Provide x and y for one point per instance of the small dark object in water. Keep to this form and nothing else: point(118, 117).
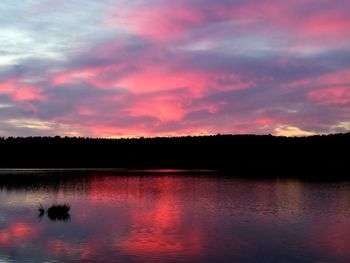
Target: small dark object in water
point(41, 210)
point(59, 212)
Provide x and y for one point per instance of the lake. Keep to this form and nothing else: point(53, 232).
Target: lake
point(168, 217)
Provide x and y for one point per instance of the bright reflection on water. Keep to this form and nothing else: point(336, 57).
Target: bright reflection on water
point(173, 218)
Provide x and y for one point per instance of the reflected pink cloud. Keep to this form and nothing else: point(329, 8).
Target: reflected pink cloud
point(159, 243)
point(60, 248)
point(83, 251)
point(155, 229)
point(334, 238)
point(103, 190)
point(166, 217)
point(18, 232)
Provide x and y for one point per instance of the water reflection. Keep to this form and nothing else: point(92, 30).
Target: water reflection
point(165, 218)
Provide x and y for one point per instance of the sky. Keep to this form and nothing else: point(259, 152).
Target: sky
point(117, 68)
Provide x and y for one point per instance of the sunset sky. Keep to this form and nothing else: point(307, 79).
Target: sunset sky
point(117, 68)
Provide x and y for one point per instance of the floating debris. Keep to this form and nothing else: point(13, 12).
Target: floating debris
point(57, 212)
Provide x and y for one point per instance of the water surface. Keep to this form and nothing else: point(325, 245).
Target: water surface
point(172, 218)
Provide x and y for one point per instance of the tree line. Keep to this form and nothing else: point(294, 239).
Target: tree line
point(235, 153)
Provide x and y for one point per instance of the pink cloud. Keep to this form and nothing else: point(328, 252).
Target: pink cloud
point(7, 87)
point(169, 107)
point(195, 67)
point(147, 130)
point(159, 79)
point(21, 92)
point(159, 21)
point(341, 77)
point(332, 79)
point(331, 96)
point(266, 121)
point(164, 108)
point(27, 94)
point(164, 21)
point(87, 74)
point(100, 130)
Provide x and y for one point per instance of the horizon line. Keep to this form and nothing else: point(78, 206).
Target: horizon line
point(172, 137)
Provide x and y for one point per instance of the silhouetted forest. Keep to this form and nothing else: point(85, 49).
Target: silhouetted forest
point(239, 153)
